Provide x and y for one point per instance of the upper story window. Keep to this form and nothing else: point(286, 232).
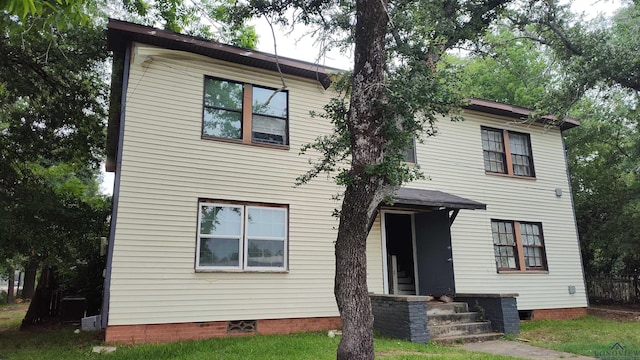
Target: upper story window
point(241, 237)
point(516, 243)
point(497, 144)
point(409, 153)
point(245, 113)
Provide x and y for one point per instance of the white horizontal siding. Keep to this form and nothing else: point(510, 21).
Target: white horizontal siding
point(453, 163)
point(167, 167)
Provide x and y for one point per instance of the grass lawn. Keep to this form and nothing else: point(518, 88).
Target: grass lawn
point(585, 336)
point(61, 342)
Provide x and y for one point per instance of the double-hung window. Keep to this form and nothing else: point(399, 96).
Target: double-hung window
point(241, 237)
point(518, 246)
point(507, 152)
point(245, 113)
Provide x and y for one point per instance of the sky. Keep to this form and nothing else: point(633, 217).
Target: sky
point(294, 44)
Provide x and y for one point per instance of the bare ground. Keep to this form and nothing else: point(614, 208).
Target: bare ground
point(624, 312)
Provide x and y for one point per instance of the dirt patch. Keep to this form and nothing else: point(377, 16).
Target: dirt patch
point(15, 307)
point(626, 312)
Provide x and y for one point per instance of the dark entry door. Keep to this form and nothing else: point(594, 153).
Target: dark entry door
point(433, 253)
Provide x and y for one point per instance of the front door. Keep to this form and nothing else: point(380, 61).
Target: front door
point(433, 253)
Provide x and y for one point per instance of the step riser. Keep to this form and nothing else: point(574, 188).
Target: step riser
point(456, 318)
point(450, 308)
point(459, 329)
point(467, 339)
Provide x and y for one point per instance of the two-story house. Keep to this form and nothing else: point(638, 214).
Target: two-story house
point(209, 236)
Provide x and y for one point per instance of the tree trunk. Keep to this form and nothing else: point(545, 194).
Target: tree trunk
point(43, 300)
point(28, 288)
point(365, 190)
point(11, 296)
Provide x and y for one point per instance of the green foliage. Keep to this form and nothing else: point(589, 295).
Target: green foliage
point(603, 151)
point(604, 158)
point(52, 111)
point(595, 54)
point(420, 90)
point(57, 13)
point(194, 17)
point(508, 69)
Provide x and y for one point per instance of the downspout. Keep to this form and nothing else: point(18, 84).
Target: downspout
point(116, 190)
point(573, 212)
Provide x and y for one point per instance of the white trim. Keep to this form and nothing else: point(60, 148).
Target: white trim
point(210, 236)
point(383, 233)
point(385, 270)
point(243, 240)
point(416, 280)
point(283, 239)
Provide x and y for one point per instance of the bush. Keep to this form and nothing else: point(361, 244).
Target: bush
point(3, 297)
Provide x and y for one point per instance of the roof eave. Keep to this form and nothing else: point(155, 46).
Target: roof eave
point(516, 112)
point(121, 33)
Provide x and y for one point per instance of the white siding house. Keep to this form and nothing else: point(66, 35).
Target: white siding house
point(209, 231)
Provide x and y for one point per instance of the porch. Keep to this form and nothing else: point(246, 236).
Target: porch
point(472, 317)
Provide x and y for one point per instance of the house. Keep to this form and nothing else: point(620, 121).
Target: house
point(209, 236)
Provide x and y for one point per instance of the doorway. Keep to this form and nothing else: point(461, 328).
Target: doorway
point(400, 246)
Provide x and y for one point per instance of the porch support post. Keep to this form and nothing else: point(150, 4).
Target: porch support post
point(453, 216)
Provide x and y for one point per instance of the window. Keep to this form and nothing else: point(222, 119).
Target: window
point(409, 153)
point(516, 243)
point(496, 144)
point(246, 113)
point(237, 237)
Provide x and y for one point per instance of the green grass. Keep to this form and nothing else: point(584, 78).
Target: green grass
point(60, 342)
point(585, 336)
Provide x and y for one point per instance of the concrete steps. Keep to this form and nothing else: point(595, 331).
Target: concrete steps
point(454, 323)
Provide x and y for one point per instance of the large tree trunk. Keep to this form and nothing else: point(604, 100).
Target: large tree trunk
point(28, 288)
point(11, 296)
point(364, 191)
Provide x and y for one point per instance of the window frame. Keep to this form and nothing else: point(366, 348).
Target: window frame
point(243, 243)
point(507, 154)
point(246, 118)
point(413, 152)
point(520, 258)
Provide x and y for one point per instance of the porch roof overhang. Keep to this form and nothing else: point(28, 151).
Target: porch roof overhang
point(433, 199)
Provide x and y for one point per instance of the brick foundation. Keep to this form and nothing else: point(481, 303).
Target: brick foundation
point(157, 333)
point(559, 314)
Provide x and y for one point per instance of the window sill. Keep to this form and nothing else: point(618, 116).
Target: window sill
point(523, 271)
point(510, 176)
point(240, 271)
point(238, 141)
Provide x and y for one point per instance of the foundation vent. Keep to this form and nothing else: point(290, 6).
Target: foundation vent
point(242, 326)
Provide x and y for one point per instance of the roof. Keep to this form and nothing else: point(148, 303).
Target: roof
point(434, 199)
point(496, 108)
point(121, 33)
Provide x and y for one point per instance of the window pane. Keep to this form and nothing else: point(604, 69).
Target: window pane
point(222, 123)
point(223, 94)
point(519, 144)
point(409, 154)
point(265, 253)
point(220, 220)
point(269, 102)
point(219, 252)
point(264, 222)
point(269, 130)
